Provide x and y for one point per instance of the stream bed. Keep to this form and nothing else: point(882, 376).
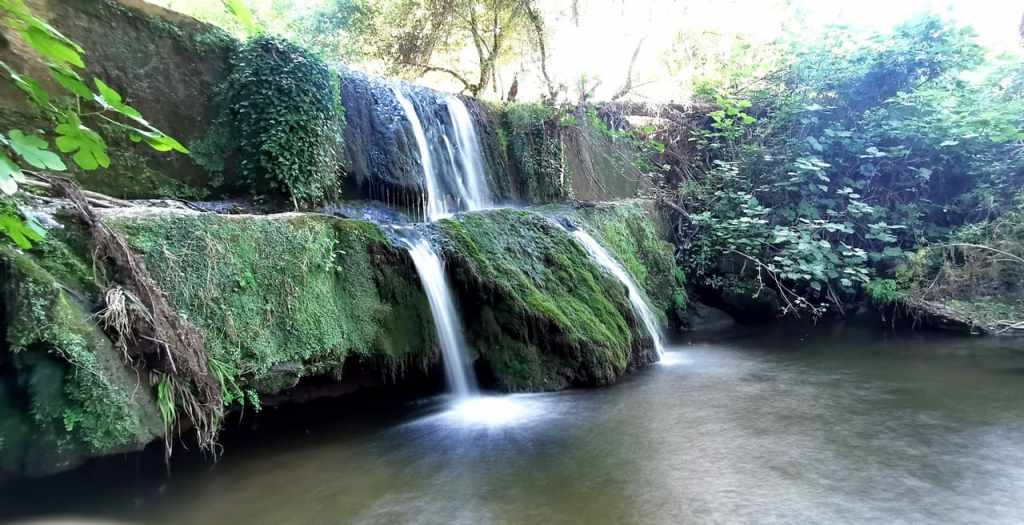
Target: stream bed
point(835, 424)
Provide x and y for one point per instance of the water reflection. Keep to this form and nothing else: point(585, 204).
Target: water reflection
point(788, 427)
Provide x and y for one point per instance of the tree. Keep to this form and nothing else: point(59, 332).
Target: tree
point(415, 37)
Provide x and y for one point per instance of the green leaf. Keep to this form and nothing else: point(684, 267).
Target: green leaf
point(10, 175)
point(71, 81)
point(35, 92)
point(159, 141)
point(23, 233)
point(243, 15)
point(90, 152)
point(109, 98)
point(50, 43)
point(34, 151)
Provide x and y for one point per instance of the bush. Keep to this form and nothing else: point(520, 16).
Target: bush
point(285, 112)
point(855, 150)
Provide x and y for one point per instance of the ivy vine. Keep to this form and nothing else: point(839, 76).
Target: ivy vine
point(285, 112)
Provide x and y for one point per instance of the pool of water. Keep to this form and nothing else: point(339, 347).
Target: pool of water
point(784, 425)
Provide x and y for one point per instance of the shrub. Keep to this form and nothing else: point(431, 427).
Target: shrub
point(285, 111)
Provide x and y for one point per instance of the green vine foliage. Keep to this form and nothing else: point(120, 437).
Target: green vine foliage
point(285, 112)
point(72, 111)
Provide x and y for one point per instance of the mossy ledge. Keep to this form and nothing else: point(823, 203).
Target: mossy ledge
point(297, 300)
point(542, 315)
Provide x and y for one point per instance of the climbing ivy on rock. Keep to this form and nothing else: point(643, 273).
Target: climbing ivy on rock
point(285, 112)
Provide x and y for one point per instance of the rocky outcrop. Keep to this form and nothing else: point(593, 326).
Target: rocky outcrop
point(543, 315)
point(290, 304)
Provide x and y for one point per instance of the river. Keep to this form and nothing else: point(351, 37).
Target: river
point(784, 425)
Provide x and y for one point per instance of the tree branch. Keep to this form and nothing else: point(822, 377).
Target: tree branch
point(426, 68)
point(628, 85)
point(538, 26)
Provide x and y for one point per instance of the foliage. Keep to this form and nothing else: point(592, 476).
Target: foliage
point(414, 37)
point(101, 104)
point(855, 149)
point(286, 114)
point(975, 274)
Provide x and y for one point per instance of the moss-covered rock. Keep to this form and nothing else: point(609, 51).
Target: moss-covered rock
point(276, 298)
point(65, 394)
point(289, 295)
point(631, 231)
point(540, 312)
point(532, 137)
point(282, 298)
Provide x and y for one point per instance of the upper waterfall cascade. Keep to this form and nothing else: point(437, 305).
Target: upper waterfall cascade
point(454, 176)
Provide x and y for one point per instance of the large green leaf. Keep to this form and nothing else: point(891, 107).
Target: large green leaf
point(22, 232)
point(158, 140)
point(35, 92)
point(34, 151)
point(70, 81)
point(90, 151)
point(243, 15)
point(10, 175)
point(109, 98)
point(50, 43)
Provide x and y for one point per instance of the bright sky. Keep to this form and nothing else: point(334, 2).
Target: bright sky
point(601, 45)
point(609, 30)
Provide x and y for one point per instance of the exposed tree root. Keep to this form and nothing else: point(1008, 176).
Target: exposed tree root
point(148, 330)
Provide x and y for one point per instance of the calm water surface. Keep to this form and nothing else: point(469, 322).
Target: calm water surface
point(833, 425)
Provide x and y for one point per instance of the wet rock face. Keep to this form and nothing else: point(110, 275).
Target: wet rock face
point(380, 146)
point(166, 65)
point(383, 157)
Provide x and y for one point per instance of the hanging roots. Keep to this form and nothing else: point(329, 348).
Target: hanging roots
point(121, 308)
point(146, 327)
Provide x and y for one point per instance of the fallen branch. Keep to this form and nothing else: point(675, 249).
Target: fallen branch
point(97, 199)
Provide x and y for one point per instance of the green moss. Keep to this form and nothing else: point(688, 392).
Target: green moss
point(80, 394)
point(631, 234)
point(534, 140)
point(548, 301)
point(297, 292)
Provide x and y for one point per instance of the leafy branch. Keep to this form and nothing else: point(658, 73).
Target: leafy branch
point(75, 101)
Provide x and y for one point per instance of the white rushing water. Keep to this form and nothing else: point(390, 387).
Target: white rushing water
point(465, 164)
point(605, 260)
point(473, 181)
point(435, 201)
point(454, 351)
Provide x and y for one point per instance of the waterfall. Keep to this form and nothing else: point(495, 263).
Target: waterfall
point(450, 157)
point(454, 351)
point(605, 260)
point(475, 193)
point(435, 201)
